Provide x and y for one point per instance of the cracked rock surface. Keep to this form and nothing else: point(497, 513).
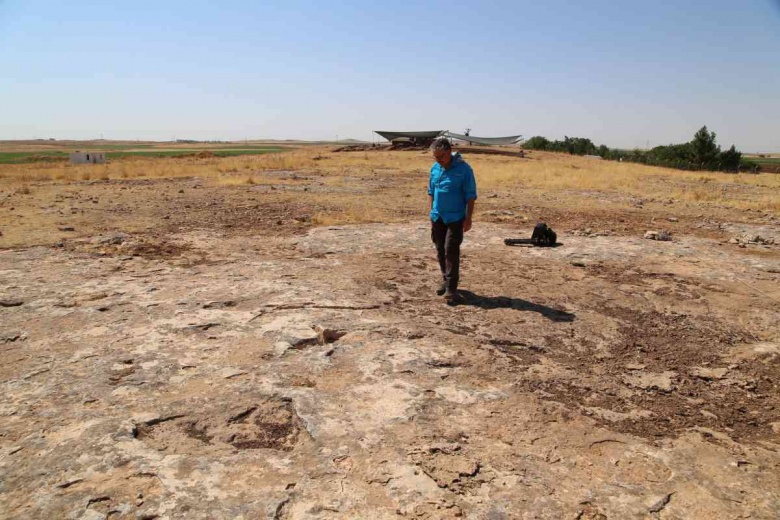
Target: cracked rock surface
point(319, 376)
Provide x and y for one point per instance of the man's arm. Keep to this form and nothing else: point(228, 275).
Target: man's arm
point(470, 196)
point(469, 213)
point(430, 190)
point(430, 193)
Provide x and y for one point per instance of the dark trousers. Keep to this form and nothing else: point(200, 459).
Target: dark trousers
point(448, 238)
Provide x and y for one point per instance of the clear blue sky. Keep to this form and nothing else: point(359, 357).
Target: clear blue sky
point(621, 73)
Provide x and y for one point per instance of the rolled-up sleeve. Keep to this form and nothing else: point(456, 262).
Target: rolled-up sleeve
point(430, 183)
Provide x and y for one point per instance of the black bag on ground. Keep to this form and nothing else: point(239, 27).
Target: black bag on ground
point(543, 236)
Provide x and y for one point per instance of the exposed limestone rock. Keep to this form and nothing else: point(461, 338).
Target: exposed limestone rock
point(319, 376)
point(663, 381)
point(658, 235)
point(710, 373)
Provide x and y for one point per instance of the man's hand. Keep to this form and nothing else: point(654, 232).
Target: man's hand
point(466, 224)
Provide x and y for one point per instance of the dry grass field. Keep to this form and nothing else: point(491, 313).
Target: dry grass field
point(334, 186)
point(259, 337)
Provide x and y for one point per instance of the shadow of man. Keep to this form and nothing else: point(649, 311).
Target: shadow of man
point(504, 302)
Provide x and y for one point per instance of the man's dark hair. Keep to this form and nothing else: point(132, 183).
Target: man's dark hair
point(441, 143)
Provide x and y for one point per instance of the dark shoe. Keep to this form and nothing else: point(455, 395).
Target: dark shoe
point(451, 296)
point(442, 289)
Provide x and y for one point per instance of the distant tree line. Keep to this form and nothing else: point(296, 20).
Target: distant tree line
point(194, 141)
point(701, 153)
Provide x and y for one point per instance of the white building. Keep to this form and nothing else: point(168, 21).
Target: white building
point(87, 157)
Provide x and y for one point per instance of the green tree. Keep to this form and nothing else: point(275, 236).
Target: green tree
point(730, 159)
point(579, 146)
point(704, 150)
point(537, 142)
point(670, 155)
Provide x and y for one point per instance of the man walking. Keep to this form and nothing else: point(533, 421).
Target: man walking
point(452, 191)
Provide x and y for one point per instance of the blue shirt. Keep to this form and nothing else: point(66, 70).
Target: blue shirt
point(451, 189)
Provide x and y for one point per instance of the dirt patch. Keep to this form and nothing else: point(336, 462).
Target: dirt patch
point(152, 249)
point(650, 381)
point(450, 467)
point(671, 340)
point(149, 247)
point(266, 423)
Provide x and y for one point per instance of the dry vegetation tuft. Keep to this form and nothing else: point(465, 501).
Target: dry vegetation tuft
point(353, 214)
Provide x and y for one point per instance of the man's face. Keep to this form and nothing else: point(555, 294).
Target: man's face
point(443, 157)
